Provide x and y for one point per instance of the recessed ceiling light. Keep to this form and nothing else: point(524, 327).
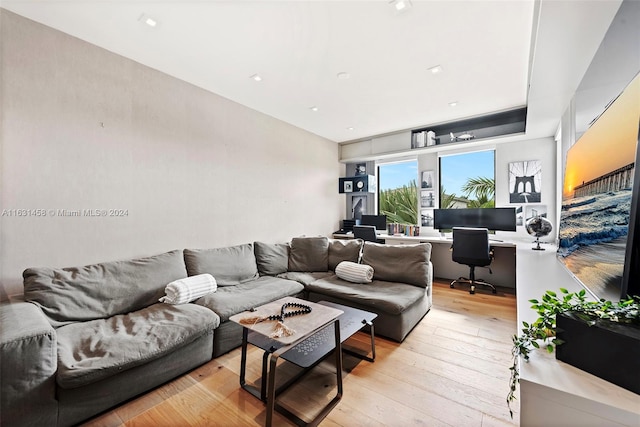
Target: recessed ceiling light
point(400, 5)
point(146, 19)
point(453, 104)
point(256, 77)
point(343, 75)
point(436, 70)
point(314, 108)
point(350, 128)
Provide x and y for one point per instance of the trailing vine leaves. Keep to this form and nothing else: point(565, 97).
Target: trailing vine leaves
point(542, 332)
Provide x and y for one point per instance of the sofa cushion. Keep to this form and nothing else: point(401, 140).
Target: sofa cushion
point(390, 297)
point(309, 254)
point(94, 350)
point(272, 258)
point(229, 266)
point(101, 290)
point(399, 263)
point(343, 250)
point(235, 299)
point(303, 277)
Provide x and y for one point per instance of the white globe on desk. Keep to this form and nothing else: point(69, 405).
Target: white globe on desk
point(539, 227)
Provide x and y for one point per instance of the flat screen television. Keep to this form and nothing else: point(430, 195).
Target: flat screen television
point(494, 219)
point(378, 221)
point(599, 201)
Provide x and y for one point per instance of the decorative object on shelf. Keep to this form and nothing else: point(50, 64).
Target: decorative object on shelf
point(361, 169)
point(525, 181)
point(599, 318)
point(464, 136)
point(538, 226)
point(281, 330)
point(360, 183)
point(423, 138)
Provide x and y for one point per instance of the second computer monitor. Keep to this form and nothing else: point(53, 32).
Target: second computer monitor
point(378, 221)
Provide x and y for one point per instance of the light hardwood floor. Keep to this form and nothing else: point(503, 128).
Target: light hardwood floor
point(452, 370)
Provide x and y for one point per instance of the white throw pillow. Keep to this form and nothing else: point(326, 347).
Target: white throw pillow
point(356, 273)
point(191, 288)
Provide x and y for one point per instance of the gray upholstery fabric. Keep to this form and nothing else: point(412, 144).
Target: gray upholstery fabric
point(272, 258)
point(309, 254)
point(228, 336)
point(27, 367)
point(234, 299)
point(393, 326)
point(390, 297)
point(401, 263)
point(101, 290)
point(229, 266)
point(344, 250)
point(91, 351)
point(78, 404)
point(305, 278)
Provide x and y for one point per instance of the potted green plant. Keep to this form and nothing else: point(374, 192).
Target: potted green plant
point(568, 306)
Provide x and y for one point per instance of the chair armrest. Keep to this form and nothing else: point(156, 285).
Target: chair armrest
point(28, 355)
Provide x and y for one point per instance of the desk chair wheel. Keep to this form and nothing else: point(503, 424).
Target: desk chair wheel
point(472, 288)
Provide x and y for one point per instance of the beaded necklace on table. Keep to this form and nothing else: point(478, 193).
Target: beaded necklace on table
point(280, 329)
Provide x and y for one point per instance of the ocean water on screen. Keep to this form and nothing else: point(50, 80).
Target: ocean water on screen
point(593, 237)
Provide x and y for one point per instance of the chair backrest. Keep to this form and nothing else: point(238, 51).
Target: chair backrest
point(471, 246)
point(365, 232)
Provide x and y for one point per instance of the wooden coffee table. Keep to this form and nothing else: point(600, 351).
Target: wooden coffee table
point(317, 335)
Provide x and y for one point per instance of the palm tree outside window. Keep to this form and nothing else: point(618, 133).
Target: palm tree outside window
point(467, 180)
point(398, 192)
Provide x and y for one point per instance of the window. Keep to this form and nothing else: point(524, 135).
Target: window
point(467, 180)
point(398, 192)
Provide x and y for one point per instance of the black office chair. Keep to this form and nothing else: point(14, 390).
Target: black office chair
point(471, 247)
point(366, 233)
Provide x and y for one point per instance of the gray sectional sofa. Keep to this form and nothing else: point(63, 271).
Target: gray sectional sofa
point(88, 338)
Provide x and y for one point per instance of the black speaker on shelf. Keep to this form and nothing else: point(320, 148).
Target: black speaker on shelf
point(357, 184)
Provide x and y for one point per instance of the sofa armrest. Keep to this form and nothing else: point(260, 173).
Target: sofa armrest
point(28, 364)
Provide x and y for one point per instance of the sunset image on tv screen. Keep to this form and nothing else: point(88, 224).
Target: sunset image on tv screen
point(596, 196)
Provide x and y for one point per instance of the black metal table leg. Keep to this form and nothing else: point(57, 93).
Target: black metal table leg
point(271, 404)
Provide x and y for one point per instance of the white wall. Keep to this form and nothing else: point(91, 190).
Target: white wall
point(83, 128)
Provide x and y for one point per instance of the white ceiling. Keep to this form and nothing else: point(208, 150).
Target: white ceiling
point(490, 52)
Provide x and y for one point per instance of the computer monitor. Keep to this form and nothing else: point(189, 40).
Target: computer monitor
point(378, 221)
point(502, 219)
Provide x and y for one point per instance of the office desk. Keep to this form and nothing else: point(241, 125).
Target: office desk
point(503, 266)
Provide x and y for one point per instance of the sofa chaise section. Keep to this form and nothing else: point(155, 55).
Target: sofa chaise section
point(400, 293)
